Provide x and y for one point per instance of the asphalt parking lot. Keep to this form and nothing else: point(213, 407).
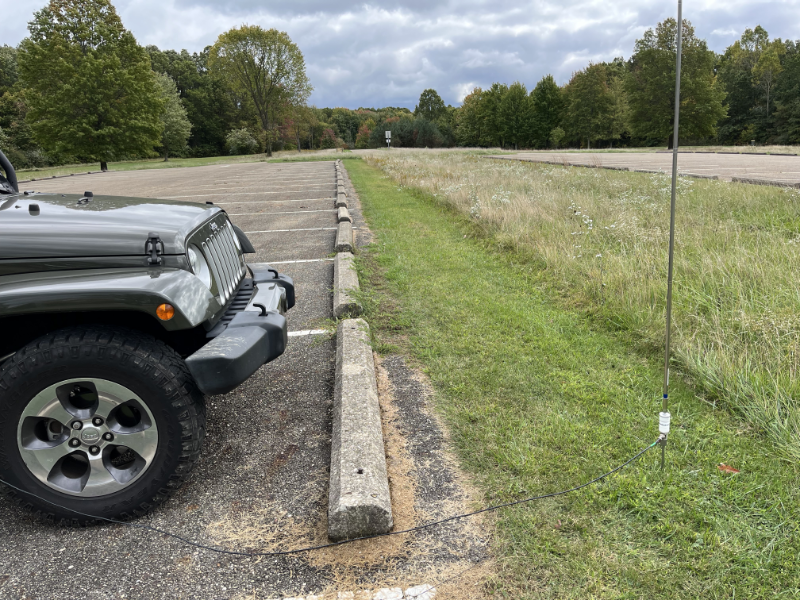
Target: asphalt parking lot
point(754, 168)
point(261, 483)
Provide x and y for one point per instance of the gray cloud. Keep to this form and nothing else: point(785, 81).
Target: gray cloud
point(380, 53)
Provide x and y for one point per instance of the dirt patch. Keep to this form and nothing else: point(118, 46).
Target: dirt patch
point(426, 484)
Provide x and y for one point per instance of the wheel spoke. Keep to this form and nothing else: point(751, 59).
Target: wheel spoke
point(100, 480)
point(44, 459)
point(46, 404)
point(144, 443)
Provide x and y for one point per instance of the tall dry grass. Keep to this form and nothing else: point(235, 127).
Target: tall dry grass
point(601, 237)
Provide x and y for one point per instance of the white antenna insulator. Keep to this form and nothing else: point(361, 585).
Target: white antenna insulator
point(663, 422)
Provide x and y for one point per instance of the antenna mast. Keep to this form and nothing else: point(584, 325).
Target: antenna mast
point(664, 416)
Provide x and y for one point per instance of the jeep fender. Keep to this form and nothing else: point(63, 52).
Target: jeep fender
point(105, 290)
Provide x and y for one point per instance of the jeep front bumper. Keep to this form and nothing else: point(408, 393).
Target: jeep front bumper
point(249, 338)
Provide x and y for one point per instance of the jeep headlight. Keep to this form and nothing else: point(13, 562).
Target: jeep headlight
point(199, 265)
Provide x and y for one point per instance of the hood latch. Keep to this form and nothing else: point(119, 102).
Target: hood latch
point(154, 247)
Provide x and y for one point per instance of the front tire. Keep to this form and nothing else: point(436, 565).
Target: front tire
point(103, 421)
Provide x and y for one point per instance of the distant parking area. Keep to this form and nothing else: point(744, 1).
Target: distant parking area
point(750, 168)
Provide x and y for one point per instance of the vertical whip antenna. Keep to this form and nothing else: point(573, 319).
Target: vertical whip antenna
point(664, 416)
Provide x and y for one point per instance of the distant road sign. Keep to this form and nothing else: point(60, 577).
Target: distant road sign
point(388, 135)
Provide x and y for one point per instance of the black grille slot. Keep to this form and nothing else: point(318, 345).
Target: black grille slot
point(240, 301)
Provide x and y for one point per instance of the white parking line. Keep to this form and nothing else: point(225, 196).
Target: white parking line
point(307, 332)
point(282, 212)
point(291, 262)
point(285, 230)
point(268, 201)
point(230, 194)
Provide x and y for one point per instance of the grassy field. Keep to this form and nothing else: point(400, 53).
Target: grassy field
point(540, 396)
point(173, 163)
point(600, 239)
point(745, 149)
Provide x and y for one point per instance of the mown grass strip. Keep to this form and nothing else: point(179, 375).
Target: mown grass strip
point(176, 163)
point(538, 400)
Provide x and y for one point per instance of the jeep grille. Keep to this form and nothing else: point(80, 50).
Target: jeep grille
point(225, 259)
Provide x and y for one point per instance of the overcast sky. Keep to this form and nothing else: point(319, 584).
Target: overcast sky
point(385, 53)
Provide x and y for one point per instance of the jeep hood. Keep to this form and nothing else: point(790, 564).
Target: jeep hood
point(74, 226)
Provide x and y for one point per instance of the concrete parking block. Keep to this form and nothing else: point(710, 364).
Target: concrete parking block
point(340, 191)
point(345, 242)
point(341, 201)
point(345, 284)
point(358, 501)
point(344, 215)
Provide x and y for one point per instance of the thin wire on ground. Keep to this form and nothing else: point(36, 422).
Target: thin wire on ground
point(343, 542)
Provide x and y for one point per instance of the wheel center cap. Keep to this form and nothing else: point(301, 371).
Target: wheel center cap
point(90, 435)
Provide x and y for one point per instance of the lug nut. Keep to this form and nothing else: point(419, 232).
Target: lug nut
point(94, 449)
point(108, 436)
point(77, 425)
point(74, 442)
point(97, 421)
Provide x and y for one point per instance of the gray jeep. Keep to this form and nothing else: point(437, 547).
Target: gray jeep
point(117, 316)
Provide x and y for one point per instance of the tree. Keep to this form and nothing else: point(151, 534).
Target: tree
point(176, 125)
point(787, 98)
point(514, 114)
point(651, 85)
point(8, 68)
point(490, 112)
point(469, 119)
point(241, 141)
point(546, 107)
point(589, 105)
point(431, 106)
point(556, 136)
point(264, 66)
point(90, 90)
point(768, 67)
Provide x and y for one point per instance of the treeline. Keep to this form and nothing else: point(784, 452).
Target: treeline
point(56, 108)
point(748, 94)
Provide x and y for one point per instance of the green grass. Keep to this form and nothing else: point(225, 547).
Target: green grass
point(601, 239)
point(538, 399)
point(174, 163)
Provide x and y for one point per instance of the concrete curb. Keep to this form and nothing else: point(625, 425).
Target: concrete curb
point(341, 201)
point(765, 182)
point(340, 190)
point(358, 503)
point(344, 215)
point(344, 238)
point(345, 280)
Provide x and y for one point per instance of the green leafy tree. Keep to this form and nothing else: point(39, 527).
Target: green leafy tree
point(264, 66)
point(241, 141)
point(589, 105)
point(90, 90)
point(651, 85)
point(546, 108)
point(212, 108)
point(750, 70)
point(469, 119)
point(176, 125)
point(431, 106)
point(618, 118)
point(8, 68)
point(492, 129)
point(787, 98)
point(514, 114)
point(768, 67)
point(557, 136)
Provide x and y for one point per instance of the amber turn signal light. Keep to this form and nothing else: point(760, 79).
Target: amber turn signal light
point(165, 312)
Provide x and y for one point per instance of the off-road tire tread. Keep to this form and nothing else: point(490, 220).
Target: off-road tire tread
point(154, 359)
